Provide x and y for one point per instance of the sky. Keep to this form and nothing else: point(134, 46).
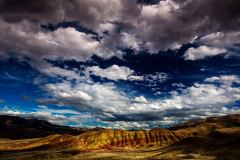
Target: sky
point(126, 64)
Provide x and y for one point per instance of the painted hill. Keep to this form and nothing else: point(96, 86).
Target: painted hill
point(110, 139)
point(120, 138)
point(94, 140)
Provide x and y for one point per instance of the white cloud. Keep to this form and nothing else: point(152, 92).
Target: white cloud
point(220, 43)
point(108, 103)
point(220, 39)
point(140, 99)
point(163, 9)
point(113, 72)
point(203, 52)
point(103, 97)
point(129, 125)
point(66, 43)
point(59, 72)
point(116, 72)
point(42, 108)
point(64, 91)
point(224, 79)
point(179, 85)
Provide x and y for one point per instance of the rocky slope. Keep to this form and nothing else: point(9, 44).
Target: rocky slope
point(105, 139)
point(121, 138)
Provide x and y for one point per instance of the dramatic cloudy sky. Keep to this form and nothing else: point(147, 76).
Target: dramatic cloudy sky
point(119, 63)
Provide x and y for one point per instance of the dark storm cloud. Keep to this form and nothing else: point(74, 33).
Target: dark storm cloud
point(221, 16)
point(158, 26)
point(148, 2)
point(180, 22)
point(21, 21)
point(32, 10)
point(87, 12)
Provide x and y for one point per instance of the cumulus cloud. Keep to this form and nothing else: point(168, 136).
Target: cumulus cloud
point(224, 80)
point(203, 52)
point(116, 72)
point(140, 99)
point(64, 91)
point(50, 45)
point(104, 97)
point(111, 105)
point(113, 72)
point(228, 41)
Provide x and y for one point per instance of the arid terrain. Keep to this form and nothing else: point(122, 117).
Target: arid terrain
point(211, 138)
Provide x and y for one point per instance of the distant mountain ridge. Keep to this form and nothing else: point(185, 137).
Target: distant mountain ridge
point(14, 127)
